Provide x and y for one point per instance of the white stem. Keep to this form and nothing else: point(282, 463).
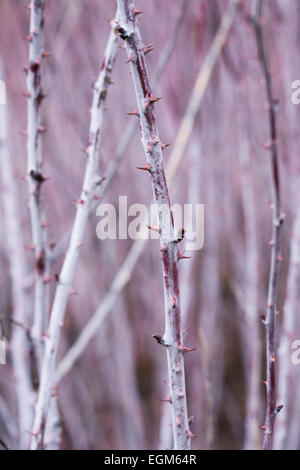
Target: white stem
point(68, 269)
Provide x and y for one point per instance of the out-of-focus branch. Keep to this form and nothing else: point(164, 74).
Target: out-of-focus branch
point(90, 183)
point(16, 258)
point(172, 338)
point(270, 321)
point(200, 86)
point(132, 125)
point(35, 179)
point(126, 270)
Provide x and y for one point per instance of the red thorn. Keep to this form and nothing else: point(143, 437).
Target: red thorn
point(184, 349)
point(273, 359)
point(79, 243)
point(271, 243)
point(264, 382)
point(279, 257)
point(180, 393)
point(42, 128)
point(26, 94)
point(149, 147)
point(157, 338)
point(154, 140)
point(181, 255)
point(145, 168)
point(152, 98)
point(137, 12)
point(97, 198)
point(164, 146)
point(134, 113)
point(262, 427)
point(190, 434)
point(174, 302)
point(166, 400)
point(45, 55)
point(152, 227)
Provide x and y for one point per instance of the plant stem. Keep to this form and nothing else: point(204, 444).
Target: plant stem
point(172, 338)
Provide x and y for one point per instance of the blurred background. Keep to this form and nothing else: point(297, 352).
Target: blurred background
point(110, 398)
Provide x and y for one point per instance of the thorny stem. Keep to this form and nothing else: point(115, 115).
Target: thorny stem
point(68, 269)
point(35, 96)
point(172, 338)
point(270, 322)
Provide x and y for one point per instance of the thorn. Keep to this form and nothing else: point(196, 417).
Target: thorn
point(26, 94)
point(174, 302)
point(134, 113)
point(178, 421)
point(23, 133)
point(152, 227)
point(145, 168)
point(166, 400)
point(79, 244)
point(149, 147)
point(27, 6)
point(184, 349)
point(264, 382)
point(278, 409)
point(29, 37)
point(271, 243)
point(164, 146)
point(177, 367)
point(152, 99)
point(182, 256)
point(185, 330)
point(154, 140)
point(278, 312)
point(79, 201)
point(137, 12)
point(270, 305)
point(180, 393)
point(190, 434)
point(279, 257)
point(37, 176)
point(273, 359)
point(157, 338)
point(42, 128)
point(262, 427)
point(97, 198)
point(148, 48)
point(45, 55)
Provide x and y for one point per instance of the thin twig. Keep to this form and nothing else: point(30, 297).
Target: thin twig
point(68, 269)
point(172, 338)
point(270, 322)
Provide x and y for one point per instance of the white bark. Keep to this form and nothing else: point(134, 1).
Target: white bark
point(16, 257)
point(68, 269)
